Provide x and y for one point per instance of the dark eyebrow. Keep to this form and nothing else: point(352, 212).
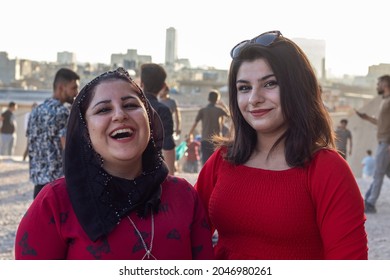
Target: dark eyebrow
point(109, 100)
point(128, 97)
point(262, 79)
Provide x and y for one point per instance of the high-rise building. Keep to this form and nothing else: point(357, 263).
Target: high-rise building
point(171, 47)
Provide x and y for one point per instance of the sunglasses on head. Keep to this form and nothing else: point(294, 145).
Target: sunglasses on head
point(266, 39)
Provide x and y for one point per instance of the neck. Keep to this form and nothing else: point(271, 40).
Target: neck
point(266, 157)
point(265, 141)
point(57, 95)
point(274, 160)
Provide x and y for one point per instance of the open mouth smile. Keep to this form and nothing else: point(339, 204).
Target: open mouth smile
point(122, 133)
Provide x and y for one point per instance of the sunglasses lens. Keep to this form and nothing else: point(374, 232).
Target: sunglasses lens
point(236, 50)
point(266, 39)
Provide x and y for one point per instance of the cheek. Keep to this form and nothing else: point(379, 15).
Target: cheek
point(94, 132)
point(275, 97)
point(91, 127)
point(242, 103)
point(143, 122)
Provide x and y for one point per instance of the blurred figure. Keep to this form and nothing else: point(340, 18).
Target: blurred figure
point(26, 117)
point(192, 155)
point(46, 130)
point(212, 118)
point(343, 137)
point(171, 103)
point(368, 164)
point(382, 158)
point(8, 130)
point(153, 82)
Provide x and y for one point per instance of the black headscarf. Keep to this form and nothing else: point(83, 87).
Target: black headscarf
point(99, 199)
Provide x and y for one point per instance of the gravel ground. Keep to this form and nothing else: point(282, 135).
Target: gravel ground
point(16, 195)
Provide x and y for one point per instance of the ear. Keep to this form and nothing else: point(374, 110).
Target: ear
point(61, 87)
point(163, 89)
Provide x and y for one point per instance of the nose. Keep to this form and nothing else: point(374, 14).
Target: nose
point(119, 115)
point(256, 96)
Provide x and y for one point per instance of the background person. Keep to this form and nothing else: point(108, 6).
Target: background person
point(192, 155)
point(152, 82)
point(116, 200)
point(382, 157)
point(46, 130)
point(8, 130)
point(368, 163)
point(212, 118)
point(171, 103)
point(343, 138)
point(26, 117)
point(278, 189)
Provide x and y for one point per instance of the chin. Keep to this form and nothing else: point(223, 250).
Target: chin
point(132, 158)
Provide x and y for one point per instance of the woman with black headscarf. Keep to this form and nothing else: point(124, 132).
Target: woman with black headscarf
point(116, 200)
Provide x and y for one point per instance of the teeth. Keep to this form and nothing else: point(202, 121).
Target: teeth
point(125, 130)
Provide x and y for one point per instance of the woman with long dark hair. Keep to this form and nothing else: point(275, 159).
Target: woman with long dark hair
point(277, 188)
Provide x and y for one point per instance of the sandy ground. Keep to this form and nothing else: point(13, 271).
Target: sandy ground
point(16, 195)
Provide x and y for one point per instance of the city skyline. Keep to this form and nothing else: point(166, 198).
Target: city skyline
point(206, 30)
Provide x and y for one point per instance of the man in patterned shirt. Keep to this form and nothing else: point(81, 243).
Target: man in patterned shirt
point(46, 130)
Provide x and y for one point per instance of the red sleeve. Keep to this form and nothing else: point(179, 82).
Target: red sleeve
point(207, 179)
point(340, 207)
point(38, 235)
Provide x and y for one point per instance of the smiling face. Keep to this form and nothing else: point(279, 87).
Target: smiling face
point(118, 126)
point(258, 97)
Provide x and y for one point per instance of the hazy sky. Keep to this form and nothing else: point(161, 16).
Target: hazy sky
point(357, 33)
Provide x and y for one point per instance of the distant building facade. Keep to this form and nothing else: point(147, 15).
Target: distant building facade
point(9, 69)
point(130, 60)
point(66, 58)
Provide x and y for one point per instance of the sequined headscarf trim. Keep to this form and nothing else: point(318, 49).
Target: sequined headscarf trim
point(99, 199)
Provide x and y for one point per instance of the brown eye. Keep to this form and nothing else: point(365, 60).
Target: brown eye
point(271, 84)
point(244, 88)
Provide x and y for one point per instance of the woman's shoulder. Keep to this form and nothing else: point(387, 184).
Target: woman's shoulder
point(58, 185)
point(328, 161)
point(54, 191)
point(176, 182)
point(327, 155)
point(174, 186)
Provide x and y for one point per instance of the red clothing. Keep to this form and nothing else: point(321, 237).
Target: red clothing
point(50, 229)
point(193, 151)
point(300, 213)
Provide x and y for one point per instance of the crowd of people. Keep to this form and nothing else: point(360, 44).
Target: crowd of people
point(273, 178)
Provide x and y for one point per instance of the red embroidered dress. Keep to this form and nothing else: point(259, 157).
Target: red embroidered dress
point(50, 229)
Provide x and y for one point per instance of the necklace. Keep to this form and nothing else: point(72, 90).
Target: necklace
point(148, 253)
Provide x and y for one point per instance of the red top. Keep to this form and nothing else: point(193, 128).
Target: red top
point(50, 229)
point(193, 151)
point(300, 213)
